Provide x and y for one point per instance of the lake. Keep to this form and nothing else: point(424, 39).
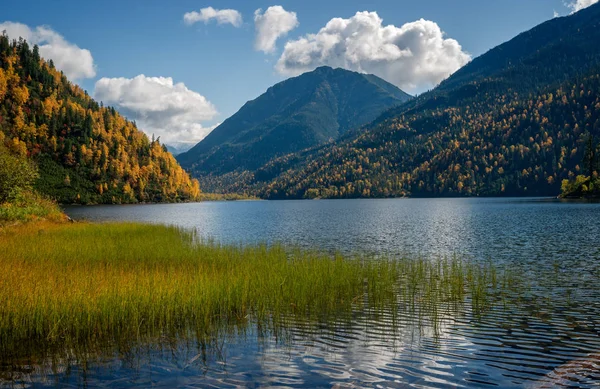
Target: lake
point(522, 229)
point(546, 335)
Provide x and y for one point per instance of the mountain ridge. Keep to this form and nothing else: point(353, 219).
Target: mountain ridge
point(297, 113)
point(511, 122)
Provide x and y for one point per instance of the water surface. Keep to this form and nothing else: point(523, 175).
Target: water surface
point(545, 335)
point(516, 229)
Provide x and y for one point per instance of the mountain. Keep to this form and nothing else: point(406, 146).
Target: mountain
point(84, 152)
point(514, 121)
point(298, 113)
point(179, 148)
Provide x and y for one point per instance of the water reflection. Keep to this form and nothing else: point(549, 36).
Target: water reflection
point(511, 345)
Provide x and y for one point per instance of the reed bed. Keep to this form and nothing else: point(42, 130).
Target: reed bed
point(63, 286)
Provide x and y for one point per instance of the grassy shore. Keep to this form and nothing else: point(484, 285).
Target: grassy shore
point(75, 284)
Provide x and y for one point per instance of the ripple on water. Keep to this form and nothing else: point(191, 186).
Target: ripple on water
point(505, 348)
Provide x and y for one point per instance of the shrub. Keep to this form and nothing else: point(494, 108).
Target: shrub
point(17, 174)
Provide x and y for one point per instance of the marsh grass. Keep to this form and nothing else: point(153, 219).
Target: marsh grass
point(81, 287)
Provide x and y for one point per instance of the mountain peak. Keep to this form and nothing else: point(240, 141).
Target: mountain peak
point(324, 68)
point(295, 114)
point(328, 70)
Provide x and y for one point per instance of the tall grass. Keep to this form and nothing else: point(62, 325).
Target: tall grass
point(64, 286)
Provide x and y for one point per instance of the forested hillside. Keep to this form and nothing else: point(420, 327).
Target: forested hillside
point(515, 121)
point(507, 145)
point(85, 153)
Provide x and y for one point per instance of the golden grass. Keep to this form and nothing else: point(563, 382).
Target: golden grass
point(80, 284)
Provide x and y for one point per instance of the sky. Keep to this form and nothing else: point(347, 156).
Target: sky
point(181, 67)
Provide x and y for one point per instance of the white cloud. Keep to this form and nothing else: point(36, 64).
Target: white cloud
point(189, 139)
point(415, 56)
point(222, 16)
point(274, 23)
point(75, 62)
point(578, 5)
point(159, 106)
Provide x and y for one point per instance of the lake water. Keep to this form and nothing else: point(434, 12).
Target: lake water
point(546, 337)
point(498, 229)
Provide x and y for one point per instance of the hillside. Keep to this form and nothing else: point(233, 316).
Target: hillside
point(85, 153)
point(512, 122)
point(300, 112)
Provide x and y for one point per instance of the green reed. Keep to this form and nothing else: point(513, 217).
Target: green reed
point(80, 285)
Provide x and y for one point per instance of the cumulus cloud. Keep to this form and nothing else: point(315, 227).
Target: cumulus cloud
point(159, 106)
point(414, 57)
point(578, 5)
point(222, 16)
point(75, 62)
point(274, 23)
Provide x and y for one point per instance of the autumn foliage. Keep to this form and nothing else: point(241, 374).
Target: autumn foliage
point(86, 153)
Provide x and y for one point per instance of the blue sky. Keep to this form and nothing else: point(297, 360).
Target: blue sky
point(219, 64)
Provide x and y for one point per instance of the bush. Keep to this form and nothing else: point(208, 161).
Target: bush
point(17, 174)
point(582, 186)
point(29, 206)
